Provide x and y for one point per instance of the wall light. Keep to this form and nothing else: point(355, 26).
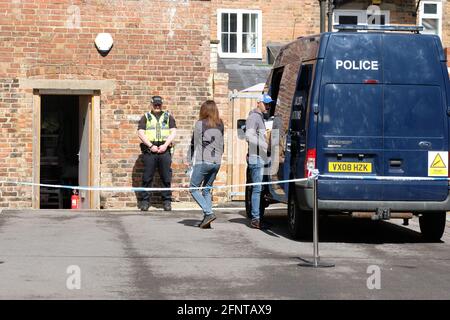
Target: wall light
point(104, 43)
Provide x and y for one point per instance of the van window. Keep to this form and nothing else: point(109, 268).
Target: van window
point(274, 85)
point(301, 97)
point(285, 96)
point(282, 116)
point(411, 60)
point(353, 58)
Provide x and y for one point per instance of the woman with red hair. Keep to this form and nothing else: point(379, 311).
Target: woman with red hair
point(207, 146)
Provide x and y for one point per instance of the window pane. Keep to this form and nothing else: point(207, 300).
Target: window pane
point(233, 43)
point(348, 19)
point(245, 43)
point(224, 42)
point(430, 8)
point(233, 22)
point(224, 22)
point(245, 22)
point(376, 19)
point(253, 41)
point(430, 26)
point(254, 22)
point(249, 43)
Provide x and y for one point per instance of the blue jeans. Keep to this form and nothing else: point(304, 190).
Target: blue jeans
point(203, 175)
point(256, 168)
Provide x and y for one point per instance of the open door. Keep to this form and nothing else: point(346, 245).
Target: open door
point(66, 146)
point(85, 153)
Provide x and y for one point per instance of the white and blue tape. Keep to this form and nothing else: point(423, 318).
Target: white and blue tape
point(140, 189)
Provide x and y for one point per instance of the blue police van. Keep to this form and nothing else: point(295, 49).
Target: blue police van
point(370, 105)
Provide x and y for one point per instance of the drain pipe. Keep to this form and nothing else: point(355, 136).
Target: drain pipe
point(323, 4)
point(330, 15)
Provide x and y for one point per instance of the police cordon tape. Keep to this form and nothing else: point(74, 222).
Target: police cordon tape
point(138, 189)
point(383, 178)
point(313, 176)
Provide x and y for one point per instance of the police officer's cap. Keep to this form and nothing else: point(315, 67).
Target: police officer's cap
point(157, 100)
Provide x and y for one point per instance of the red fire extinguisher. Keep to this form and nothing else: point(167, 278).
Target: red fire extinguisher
point(75, 200)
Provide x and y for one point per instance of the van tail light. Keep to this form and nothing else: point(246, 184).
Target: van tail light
point(310, 162)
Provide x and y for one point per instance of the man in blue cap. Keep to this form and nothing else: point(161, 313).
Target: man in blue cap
point(257, 152)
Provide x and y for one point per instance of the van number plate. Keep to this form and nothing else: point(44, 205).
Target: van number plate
point(358, 167)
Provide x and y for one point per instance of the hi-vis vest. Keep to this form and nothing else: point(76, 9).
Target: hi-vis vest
point(157, 130)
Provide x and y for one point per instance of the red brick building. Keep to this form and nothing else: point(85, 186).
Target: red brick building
point(52, 72)
point(260, 22)
point(69, 113)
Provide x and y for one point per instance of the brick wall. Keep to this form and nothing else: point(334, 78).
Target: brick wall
point(446, 23)
point(282, 20)
point(160, 47)
point(402, 13)
point(294, 18)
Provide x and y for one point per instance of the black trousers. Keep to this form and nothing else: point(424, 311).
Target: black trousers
point(152, 162)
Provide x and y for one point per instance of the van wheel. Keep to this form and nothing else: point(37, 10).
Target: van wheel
point(432, 225)
point(299, 221)
point(248, 199)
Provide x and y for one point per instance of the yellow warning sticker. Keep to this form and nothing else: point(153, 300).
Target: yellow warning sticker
point(437, 163)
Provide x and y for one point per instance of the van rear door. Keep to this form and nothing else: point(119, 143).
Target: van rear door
point(382, 114)
point(414, 119)
point(350, 128)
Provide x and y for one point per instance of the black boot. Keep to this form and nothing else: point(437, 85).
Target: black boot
point(167, 206)
point(145, 205)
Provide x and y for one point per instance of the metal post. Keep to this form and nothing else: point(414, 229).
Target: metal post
point(316, 263)
point(315, 226)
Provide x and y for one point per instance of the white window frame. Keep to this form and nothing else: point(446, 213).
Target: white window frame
point(360, 14)
point(239, 53)
point(437, 15)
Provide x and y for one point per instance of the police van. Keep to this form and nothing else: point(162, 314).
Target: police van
point(372, 105)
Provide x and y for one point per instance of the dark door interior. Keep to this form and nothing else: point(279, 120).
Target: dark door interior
point(59, 148)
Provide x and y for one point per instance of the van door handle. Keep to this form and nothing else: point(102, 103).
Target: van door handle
point(425, 144)
point(288, 147)
point(395, 163)
point(302, 147)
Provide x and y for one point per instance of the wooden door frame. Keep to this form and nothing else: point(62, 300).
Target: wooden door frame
point(94, 165)
point(240, 104)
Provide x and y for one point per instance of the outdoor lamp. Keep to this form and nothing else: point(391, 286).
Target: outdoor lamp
point(104, 43)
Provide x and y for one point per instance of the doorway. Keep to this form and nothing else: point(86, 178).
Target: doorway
point(65, 149)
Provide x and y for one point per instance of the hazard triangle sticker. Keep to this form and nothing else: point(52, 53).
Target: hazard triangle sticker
point(437, 164)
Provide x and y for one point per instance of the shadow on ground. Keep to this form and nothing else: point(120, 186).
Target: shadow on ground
point(191, 222)
point(343, 229)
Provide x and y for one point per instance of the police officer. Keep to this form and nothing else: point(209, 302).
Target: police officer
point(157, 129)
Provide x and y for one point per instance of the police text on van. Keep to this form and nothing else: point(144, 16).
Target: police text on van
point(357, 65)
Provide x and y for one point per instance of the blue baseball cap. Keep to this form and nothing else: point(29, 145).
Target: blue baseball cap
point(265, 98)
